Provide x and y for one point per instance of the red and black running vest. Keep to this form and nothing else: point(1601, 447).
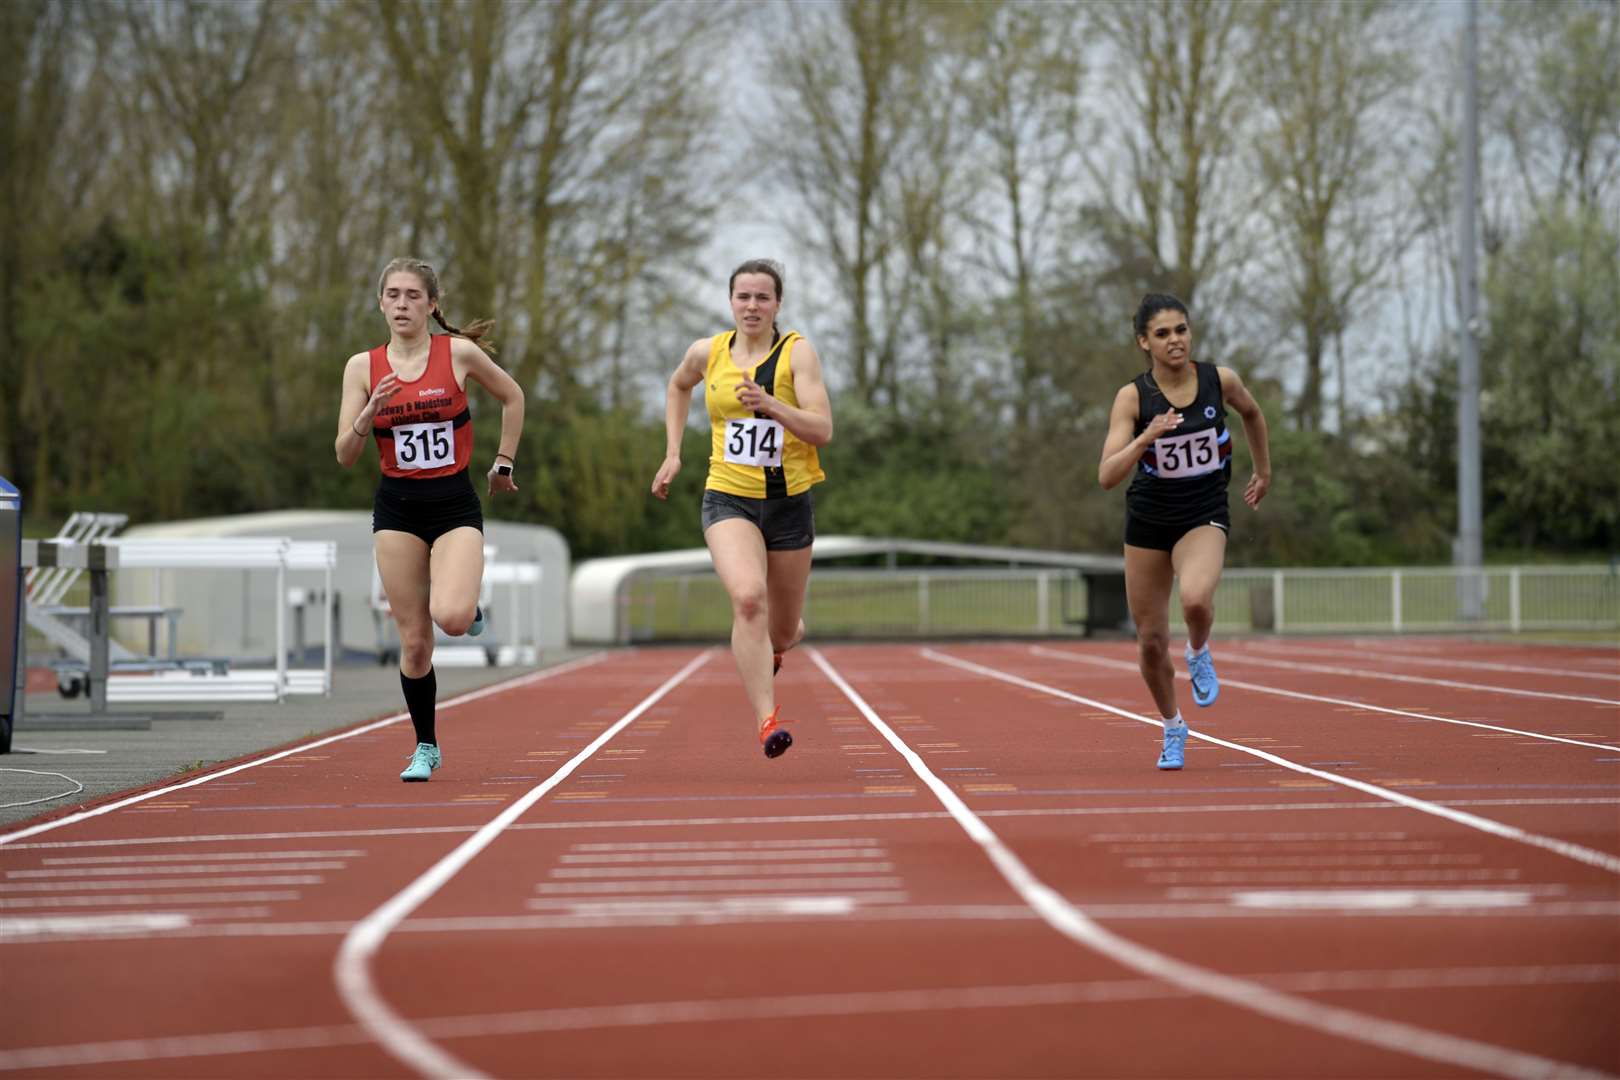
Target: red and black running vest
point(425, 430)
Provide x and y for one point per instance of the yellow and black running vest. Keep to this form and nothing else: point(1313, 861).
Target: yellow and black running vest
point(752, 455)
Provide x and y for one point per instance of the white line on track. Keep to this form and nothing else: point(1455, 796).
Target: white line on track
point(1602, 860)
point(1124, 665)
point(1433, 661)
point(1244, 657)
point(161, 883)
point(461, 699)
point(1242, 993)
point(211, 856)
point(585, 888)
point(868, 906)
point(662, 872)
point(352, 967)
point(812, 819)
point(732, 1010)
point(150, 899)
point(92, 872)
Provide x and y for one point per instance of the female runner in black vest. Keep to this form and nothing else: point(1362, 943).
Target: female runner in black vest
point(1167, 430)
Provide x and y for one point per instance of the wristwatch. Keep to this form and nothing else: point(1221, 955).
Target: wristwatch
point(503, 468)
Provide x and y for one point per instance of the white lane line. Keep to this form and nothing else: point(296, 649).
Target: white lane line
point(91, 872)
point(462, 699)
point(665, 873)
point(1238, 656)
point(560, 915)
point(1601, 859)
point(769, 847)
point(1246, 994)
point(1380, 899)
point(215, 856)
point(664, 857)
point(729, 1010)
point(584, 888)
point(1434, 661)
point(160, 883)
point(352, 967)
point(124, 922)
point(1121, 665)
point(811, 819)
point(149, 899)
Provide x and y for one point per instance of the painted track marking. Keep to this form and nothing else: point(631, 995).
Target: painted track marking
point(804, 819)
point(1238, 656)
point(731, 1010)
point(1124, 665)
point(1242, 993)
point(1434, 661)
point(1600, 859)
point(352, 966)
point(462, 699)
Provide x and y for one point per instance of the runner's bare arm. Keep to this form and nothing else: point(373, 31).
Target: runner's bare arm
point(1254, 429)
point(677, 404)
point(1120, 451)
point(812, 421)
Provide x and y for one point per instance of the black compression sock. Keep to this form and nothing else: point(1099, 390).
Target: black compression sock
point(420, 695)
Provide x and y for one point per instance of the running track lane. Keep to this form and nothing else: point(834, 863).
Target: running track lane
point(617, 928)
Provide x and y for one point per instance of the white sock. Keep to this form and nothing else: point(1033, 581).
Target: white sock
point(1191, 652)
point(1175, 723)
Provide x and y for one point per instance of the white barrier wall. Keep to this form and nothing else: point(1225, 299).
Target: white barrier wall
point(231, 614)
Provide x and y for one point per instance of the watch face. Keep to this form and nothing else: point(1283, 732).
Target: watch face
point(504, 470)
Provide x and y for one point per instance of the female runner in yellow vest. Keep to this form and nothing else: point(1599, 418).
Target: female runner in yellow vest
point(768, 410)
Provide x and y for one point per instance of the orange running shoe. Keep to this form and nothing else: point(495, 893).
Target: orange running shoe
point(773, 737)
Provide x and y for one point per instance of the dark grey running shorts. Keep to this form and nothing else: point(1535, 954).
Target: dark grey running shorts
point(1152, 534)
point(787, 524)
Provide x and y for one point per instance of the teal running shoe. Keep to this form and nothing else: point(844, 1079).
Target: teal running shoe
point(1201, 668)
point(477, 626)
point(1175, 748)
point(422, 763)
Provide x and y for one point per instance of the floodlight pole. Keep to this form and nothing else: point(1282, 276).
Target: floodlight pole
point(1469, 547)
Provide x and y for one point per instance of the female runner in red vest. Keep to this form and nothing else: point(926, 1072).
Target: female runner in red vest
point(426, 521)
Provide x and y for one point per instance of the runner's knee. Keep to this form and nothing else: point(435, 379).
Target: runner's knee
point(1153, 646)
point(454, 618)
point(750, 602)
point(415, 652)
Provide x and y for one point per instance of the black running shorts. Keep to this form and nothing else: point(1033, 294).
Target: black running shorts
point(426, 509)
point(1151, 534)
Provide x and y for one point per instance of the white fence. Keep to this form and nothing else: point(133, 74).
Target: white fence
point(1402, 599)
point(956, 602)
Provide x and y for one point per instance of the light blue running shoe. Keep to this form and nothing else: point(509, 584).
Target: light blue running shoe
point(1201, 668)
point(422, 763)
point(477, 626)
point(1175, 747)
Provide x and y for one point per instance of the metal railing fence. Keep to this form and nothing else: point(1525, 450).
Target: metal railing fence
point(935, 603)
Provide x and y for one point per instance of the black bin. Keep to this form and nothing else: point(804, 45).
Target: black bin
point(11, 601)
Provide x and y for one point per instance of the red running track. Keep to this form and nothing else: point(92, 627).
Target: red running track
point(1384, 859)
